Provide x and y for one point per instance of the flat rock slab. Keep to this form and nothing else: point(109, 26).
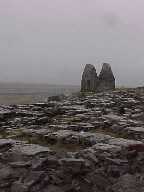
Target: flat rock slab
point(75, 165)
point(113, 117)
point(20, 164)
point(136, 129)
point(31, 149)
point(35, 132)
point(123, 142)
point(6, 142)
point(78, 137)
point(106, 148)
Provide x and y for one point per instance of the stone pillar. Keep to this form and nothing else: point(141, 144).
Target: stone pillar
point(106, 78)
point(89, 79)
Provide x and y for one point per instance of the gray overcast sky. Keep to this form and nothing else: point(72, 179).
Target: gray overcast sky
point(51, 40)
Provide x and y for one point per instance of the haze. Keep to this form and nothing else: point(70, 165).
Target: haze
point(50, 40)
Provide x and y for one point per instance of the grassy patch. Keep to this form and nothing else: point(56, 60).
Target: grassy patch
point(111, 133)
point(16, 99)
point(41, 140)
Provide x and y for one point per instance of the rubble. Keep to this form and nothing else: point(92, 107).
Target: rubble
point(79, 143)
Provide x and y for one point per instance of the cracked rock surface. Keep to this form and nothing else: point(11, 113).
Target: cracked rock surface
point(79, 143)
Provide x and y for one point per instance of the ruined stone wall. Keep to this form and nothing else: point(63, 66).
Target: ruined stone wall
point(89, 78)
point(106, 86)
point(106, 78)
point(91, 82)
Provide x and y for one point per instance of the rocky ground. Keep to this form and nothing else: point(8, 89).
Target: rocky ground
point(82, 143)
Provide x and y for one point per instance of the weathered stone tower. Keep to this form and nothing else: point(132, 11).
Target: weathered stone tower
point(89, 79)
point(106, 78)
point(91, 82)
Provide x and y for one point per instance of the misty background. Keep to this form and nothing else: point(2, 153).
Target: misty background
point(50, 41)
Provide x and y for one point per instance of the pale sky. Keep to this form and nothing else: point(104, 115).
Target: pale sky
point(51, 40)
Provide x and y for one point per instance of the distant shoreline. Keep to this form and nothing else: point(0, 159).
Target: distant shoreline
point(22, 93)
point(37, 83)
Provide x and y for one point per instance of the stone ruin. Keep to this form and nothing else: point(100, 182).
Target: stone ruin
point(91, 82)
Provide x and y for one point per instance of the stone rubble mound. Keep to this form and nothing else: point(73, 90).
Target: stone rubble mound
point(79, 143)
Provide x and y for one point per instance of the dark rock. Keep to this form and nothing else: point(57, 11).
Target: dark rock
point(89, 79)
point(128, 183)
point(42, 164)
point(78, 150)
point(31, 149)
point(73, 165)
point(91, 82)
point(56, 98)
point(5, 144)
point(121, 110)
point(34, 177)
point(106, 78)
point(42, 121)
point(136, 147)
point(52, 188)
point(20, 164)
point(19, 187)
point(5, 173)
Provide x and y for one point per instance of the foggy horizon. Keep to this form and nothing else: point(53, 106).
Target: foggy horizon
point(51, 41)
